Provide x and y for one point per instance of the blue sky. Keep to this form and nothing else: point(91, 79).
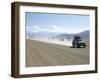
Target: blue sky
point(56, 22)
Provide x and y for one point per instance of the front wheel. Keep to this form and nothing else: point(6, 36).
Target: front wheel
point(84, 46)
point(78, 46)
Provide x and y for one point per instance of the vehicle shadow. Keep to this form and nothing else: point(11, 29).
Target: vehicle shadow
point(75, 47)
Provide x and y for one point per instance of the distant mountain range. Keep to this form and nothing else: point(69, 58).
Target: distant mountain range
point(57, 35)
point(84, 35)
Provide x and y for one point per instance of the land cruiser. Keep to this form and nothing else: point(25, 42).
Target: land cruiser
point(77, 42)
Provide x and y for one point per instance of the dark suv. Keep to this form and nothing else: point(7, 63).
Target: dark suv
point(77, 42)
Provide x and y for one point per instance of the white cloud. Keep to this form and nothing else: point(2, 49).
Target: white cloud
point(53, 28)
point(32, 28)
point(56, 28)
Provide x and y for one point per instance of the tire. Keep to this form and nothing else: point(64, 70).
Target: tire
point(73, 45)
point(84, 46)
point(78, 46)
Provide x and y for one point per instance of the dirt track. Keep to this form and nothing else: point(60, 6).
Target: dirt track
point(46, 54)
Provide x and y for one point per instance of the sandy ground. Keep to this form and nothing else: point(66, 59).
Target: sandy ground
point(46, 54)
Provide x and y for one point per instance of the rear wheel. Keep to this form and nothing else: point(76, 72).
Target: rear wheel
point(73, 44)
